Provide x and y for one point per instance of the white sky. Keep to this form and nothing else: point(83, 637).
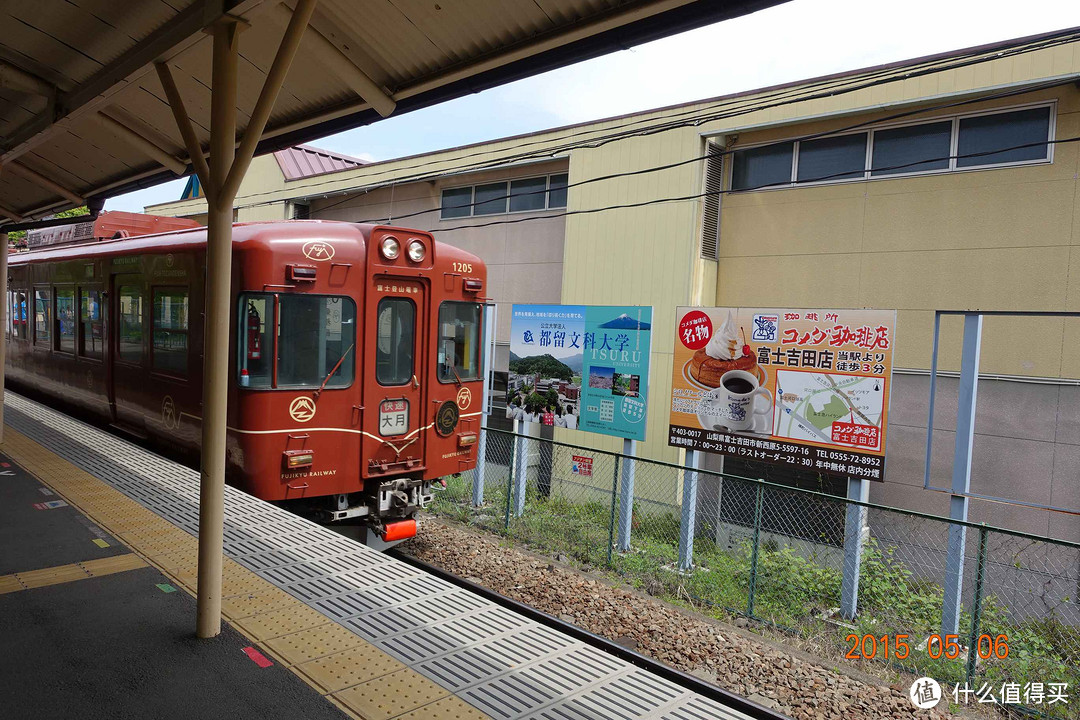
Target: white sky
point(793, 41)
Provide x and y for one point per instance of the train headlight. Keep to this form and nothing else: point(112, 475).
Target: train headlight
point(417, 251)
point(390, 247)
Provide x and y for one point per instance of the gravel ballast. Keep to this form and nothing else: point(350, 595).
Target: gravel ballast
point(755, 669)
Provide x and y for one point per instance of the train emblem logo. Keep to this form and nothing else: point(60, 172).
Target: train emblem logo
point(302, 409)
point(170, 418)
point(464, 398)
point(318, 250)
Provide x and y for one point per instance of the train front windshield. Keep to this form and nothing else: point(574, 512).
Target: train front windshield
point(312, 342)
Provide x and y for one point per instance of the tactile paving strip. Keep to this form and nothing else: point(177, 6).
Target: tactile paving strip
point(502, 664)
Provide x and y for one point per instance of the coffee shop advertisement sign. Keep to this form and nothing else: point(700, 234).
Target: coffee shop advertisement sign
point(583, 367)
point(803, 388)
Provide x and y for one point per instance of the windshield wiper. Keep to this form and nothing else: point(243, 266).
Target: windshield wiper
point(334, 370)
point(453, 369)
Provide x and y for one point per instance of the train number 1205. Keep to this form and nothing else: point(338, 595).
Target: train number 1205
point(462, 267)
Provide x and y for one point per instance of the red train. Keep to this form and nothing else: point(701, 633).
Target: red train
point(356, 354)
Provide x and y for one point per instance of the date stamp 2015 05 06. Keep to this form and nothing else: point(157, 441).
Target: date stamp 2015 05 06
point(897, 647)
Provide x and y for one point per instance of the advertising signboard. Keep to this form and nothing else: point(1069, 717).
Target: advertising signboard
point(583, 367)
point(805, 388)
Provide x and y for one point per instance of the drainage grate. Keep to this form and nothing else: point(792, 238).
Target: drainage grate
point(501, 663)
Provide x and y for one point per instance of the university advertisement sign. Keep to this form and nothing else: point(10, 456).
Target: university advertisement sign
point(578, 366)
point(806, 388)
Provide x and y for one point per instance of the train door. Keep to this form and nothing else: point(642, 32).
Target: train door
point(127, 372)
point(395, 414)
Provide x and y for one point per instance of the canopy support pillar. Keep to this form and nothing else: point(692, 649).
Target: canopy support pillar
point(4, 321)
point(216, 340)
point(226, 169)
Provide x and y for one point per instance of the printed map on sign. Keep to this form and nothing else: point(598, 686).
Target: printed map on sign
point(824, 408)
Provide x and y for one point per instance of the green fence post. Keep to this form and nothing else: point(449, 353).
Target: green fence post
point(510, 481)
point(976, 607)
point(754, 552)
point(614, 499)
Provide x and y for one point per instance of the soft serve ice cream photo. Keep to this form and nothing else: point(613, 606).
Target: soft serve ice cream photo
point(721, 352)
point(726, 350)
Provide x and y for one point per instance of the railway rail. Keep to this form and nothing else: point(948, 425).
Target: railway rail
point(684, 680)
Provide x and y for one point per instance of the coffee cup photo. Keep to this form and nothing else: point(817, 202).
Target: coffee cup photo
point(732, 405)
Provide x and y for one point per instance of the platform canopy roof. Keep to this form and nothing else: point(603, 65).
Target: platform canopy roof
point(83, 114)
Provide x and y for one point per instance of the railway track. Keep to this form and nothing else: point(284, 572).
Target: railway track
point(684, 680)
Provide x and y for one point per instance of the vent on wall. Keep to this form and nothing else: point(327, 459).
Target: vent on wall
point(301, 211)
point(714, 179)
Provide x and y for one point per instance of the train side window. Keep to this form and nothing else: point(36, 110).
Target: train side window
point(8, 325)
point(169, 351)
point(18, 315)
point(42, 317)
point(129, 339)
point(91, 338)
point(253, 344)
point(459, 341)
point(394, 341)
point(65, 319)
point(316, 341)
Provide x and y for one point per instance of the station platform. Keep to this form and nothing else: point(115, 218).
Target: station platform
point(347, 629)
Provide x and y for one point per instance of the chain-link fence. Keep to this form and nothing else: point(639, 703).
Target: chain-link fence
point(800, 561)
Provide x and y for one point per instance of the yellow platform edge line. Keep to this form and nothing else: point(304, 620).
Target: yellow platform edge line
point(60, 574)
point(139, 529)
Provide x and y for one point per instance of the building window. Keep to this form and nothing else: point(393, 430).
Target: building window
point(762, 166)
point(834, 158)
point(913, 148)
point(42, 317)
point(169, 351)
point(1010, 137)
point(91, 339)
point(546, 192)
point(527, 194)
point(981, 140)
point(489, 199)
point(65, 320)
point(456, 203)
point(557, 190)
